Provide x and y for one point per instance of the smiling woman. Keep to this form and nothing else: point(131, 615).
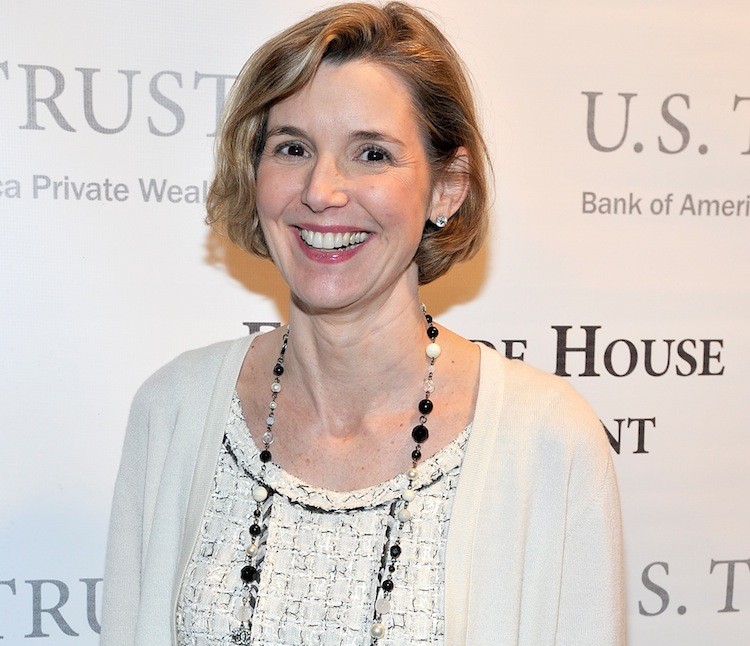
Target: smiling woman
point(271, 491)
point(344, 156)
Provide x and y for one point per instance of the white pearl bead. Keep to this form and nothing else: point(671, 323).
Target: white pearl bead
point(433, 350)
point(276, 387)
point(260, 493)
point(251, 549)
point(411, 474)
point(272, 405)
point(404, 516)
point(243, 613)
point(383, 606)
point(377, 630)
point(408, 495)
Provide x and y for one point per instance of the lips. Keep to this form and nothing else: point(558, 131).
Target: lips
point(331, 241)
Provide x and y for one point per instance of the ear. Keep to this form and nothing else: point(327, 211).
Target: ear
point(451, 188)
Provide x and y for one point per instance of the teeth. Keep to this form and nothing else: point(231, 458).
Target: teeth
point(329, 240)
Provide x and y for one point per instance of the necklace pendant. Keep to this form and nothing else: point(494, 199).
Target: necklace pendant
point(241, 635)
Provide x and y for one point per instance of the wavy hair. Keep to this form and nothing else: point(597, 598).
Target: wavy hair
point(398, 37)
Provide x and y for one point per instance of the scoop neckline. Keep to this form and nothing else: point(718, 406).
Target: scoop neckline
point(247, 455)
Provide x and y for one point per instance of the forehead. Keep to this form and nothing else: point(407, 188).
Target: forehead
point(354, 95)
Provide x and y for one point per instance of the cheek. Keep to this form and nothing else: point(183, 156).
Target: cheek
point(272, 191)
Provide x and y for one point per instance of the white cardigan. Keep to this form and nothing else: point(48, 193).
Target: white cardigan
point(534, 554)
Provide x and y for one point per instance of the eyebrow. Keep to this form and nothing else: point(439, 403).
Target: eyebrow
point(363, 135)
point(289, 131)
point(357, 135)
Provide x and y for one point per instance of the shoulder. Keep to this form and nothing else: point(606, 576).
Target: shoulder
point(542, 415)
point(545, 434)
point(191, 373)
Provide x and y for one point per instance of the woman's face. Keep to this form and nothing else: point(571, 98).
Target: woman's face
point(344, 188)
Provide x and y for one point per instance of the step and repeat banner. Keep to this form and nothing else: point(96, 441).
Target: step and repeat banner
point(619, 258)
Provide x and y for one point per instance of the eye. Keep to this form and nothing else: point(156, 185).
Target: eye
point(374, 154)
point(291, 149)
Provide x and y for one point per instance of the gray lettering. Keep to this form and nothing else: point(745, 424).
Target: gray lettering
point(54, 611)
point(32, 122)
point(88, 99)
point(174, 108)
point(591, 119)
point(737, 100)
point(91, 604)
point(729, 599)
point(11, 583)
point(678, 125)
point(221, 93)
point(655, 588)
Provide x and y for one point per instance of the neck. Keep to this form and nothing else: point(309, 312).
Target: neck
point(349, 364)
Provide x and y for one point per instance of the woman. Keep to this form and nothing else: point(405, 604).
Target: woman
point(362, 475)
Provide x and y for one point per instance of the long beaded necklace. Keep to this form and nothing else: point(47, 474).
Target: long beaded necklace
point(250, 573)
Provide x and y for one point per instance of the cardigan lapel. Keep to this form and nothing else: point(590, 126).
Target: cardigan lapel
point(468, 497)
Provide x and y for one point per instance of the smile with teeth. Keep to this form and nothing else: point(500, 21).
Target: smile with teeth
point(329, 240)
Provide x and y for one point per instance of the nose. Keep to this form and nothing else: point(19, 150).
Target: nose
point(325, 186)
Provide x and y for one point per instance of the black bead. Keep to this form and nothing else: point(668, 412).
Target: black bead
point(265, 456)
point(432, 332)
point(425, 407)
point(278, 370)
point(387, 585)
point(420, 433)
point(255, 529)
point(391, 568)
point(256, 513)
point(428, 318)
point(395, 551)
point(416, 454)
point(248, 573)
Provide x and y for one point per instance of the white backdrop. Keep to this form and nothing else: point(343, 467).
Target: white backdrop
point(110, 275)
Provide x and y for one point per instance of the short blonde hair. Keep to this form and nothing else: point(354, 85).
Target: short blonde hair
point(403, 40)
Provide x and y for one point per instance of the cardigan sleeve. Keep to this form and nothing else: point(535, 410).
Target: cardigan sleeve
point(123, 566)
point(592, 599)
